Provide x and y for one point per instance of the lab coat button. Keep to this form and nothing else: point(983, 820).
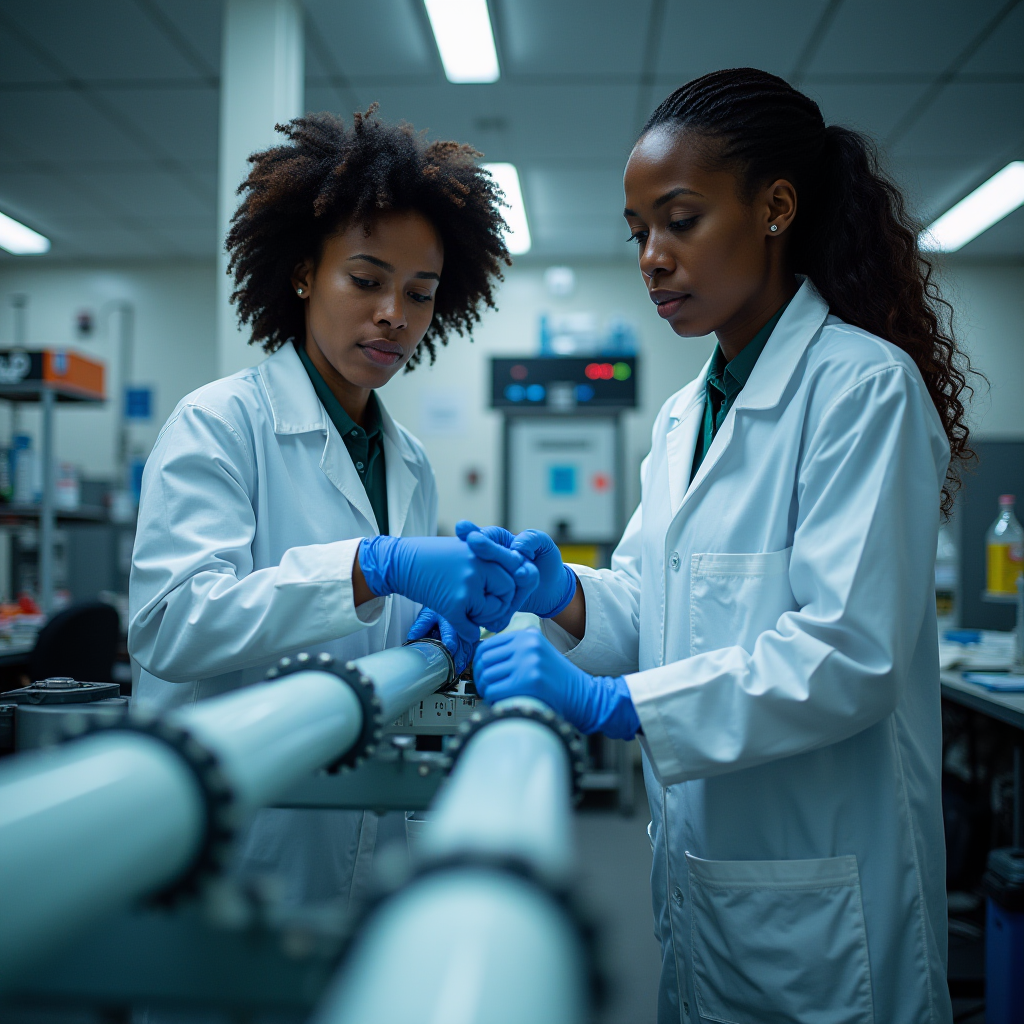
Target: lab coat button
point(677, 895)
point(359, 466)
point(674, 560)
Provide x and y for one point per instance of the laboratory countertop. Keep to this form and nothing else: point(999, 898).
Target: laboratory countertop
point(1007, 707)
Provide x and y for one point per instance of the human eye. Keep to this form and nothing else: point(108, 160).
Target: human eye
point(638, 237)
point(363, 282)
point(683, 224)
point(420, 297)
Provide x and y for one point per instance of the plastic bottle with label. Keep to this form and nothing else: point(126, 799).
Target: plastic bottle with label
point(1004, 545)
point(947, 578)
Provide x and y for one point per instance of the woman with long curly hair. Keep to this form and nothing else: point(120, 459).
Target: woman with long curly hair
point(282, 506)
point(767, 625)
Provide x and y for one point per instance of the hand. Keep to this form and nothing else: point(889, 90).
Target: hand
point(524, 664)
point(443, 573)
point(557, 585)
point(429, 624)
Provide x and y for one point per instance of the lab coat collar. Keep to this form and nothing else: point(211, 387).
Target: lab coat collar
point(797, 327)
point(297, 410)
point(293, 400)
point(764, 389)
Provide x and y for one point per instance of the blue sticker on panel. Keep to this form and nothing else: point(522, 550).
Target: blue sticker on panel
point(563, 480)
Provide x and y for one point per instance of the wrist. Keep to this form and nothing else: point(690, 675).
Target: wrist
point(568, 593)
point(373, 558)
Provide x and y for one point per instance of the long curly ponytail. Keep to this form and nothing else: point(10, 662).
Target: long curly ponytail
point(852, 235)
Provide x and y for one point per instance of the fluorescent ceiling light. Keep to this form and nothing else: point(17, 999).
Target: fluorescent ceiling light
point(20, 240)
point(986, 205)
point(462, 29)
point(507, 179)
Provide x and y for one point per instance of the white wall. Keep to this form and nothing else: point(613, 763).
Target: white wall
point(989, 305)
point(462, 370)
point(174, 351)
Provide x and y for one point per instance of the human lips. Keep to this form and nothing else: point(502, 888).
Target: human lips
point(381, 352)
point(668, 303)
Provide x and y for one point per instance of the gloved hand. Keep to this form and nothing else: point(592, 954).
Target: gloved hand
point(429, 624)
point(443, 573)
point(557, 585)
point(524, 664)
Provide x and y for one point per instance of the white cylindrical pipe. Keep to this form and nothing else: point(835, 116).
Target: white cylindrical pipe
point(269, 735)
point(402, 676)
point(85, 828)
point(508, 796)
point(508, 952)
point(463, 947)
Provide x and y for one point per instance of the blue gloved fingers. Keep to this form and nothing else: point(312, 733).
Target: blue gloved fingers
point(463, 528)
point(489, 551)
point(461, 650)
point(532, 543)
point(425, 622)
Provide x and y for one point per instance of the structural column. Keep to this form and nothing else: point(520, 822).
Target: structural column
point(261, 84)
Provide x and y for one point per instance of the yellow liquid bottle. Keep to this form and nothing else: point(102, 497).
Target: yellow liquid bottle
point(1005, 549)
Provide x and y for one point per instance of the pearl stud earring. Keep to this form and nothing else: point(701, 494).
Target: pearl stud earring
point(299, 290)
point(774, 227)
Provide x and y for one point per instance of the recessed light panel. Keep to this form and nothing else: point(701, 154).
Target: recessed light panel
point(462, 29)
point(20, 240)
point(986, 205)
point(507, 178)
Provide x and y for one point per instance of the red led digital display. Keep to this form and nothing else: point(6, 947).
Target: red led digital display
point(599, 371)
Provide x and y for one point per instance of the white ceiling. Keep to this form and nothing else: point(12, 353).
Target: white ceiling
point(108, 108)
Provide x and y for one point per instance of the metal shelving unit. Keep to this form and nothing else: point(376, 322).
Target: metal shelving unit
point(49, 376)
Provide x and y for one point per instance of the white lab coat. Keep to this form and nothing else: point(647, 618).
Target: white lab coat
point(775, 620)
point(250, 518)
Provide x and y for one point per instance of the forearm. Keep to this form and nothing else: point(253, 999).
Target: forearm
point(361, 591)
point(573, 618)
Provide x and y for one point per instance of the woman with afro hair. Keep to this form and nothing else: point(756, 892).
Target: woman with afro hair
point(283, 506)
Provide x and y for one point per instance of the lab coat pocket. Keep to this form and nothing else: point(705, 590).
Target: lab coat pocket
point(779, 941)
point(736, 597)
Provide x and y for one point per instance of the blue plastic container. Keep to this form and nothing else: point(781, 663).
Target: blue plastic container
point(1004, 938)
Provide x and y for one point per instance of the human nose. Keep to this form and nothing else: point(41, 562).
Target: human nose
point(655, 258)
point(391, 311)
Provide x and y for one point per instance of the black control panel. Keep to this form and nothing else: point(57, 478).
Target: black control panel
point(564, 383)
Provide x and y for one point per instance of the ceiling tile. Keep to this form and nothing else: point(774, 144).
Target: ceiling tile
point(591, 37)
point(386, 37)
point(698, 38)
point(1003, 52)
point(110, 38)
point(63, 126)
point(871, 108)
point(184, 121)
point(911, 36)
point(968, 120)
point(199, 22)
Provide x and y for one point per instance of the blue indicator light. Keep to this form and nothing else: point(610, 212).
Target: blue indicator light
point(536, 392)
point(515, 392)
point(584, 392)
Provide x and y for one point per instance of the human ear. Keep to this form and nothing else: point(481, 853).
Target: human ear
point(302, 278)
point(779, 207)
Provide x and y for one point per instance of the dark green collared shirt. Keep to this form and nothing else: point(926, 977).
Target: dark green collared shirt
point(724, 382)
point(365, 446)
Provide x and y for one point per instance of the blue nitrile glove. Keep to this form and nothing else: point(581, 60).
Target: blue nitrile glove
point(429, 624)
point(443, 573)
point(557, 586)
point(524, 664)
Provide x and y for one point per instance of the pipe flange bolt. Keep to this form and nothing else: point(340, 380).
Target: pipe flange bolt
point(362, 686)
point(572, 739)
